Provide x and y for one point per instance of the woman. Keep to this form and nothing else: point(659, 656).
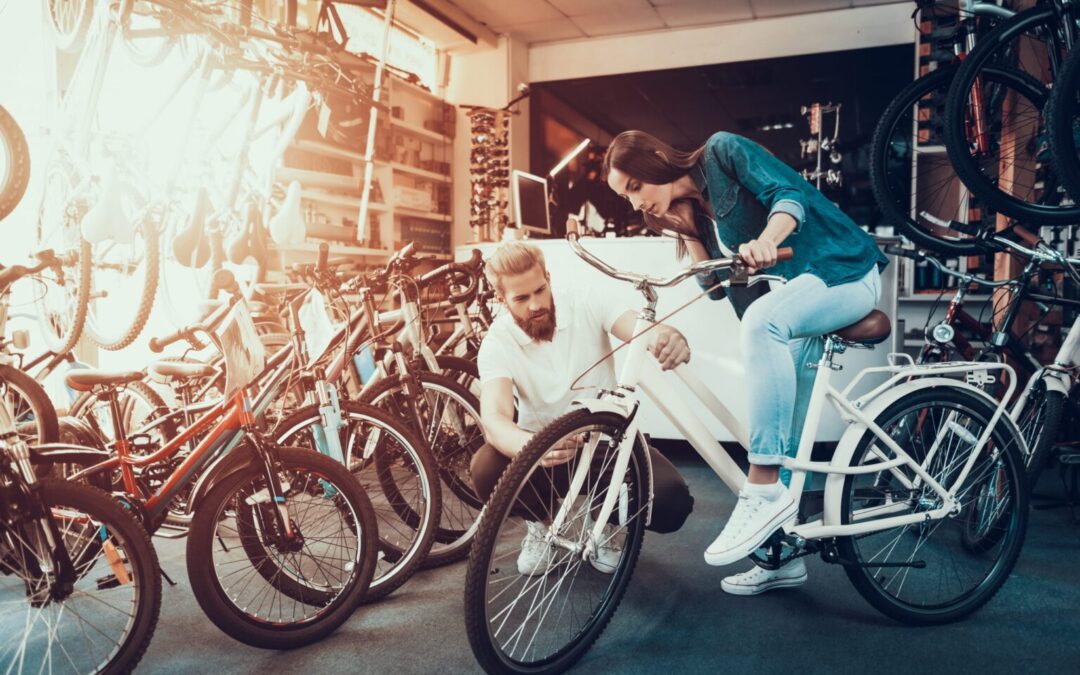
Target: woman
point(733, 195)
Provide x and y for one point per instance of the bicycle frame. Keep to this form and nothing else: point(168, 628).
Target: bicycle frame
point(641, 372)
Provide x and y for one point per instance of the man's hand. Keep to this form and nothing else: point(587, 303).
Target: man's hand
point(670, 348)
point(758, 254)
point(562, 452)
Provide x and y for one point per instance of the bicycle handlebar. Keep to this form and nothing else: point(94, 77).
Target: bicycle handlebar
point(920, 256)
point(657, 282)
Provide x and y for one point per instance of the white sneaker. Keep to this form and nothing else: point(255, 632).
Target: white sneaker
point(758, 579)
point(537, 557)
point(752, 522)
point(609, 551)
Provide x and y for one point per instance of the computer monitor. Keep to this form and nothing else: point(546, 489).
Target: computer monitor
point(531, 202)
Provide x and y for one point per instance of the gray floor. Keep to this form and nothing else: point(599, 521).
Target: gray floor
point(675, 618)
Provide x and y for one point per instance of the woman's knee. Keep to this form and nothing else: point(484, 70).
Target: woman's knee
point(759, 324)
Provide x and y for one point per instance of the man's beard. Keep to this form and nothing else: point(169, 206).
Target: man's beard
point(540, 325)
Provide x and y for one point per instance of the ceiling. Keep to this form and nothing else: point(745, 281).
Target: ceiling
point(534, 21)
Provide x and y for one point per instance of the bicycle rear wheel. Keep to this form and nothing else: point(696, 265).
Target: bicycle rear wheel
point(1064, 124)
point(938, 428)
point(1008, 166)
point(106, 623)
point(14, 163)
point(125, 280)
point(450, 416)
point(914, 183)
point(543, 614)
point(1039, 422)
point(61, 306)
point(325, 566)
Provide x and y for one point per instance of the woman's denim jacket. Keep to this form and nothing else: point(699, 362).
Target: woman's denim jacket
point(745, 185)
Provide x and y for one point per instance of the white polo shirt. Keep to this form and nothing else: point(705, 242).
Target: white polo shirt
point(543, 371)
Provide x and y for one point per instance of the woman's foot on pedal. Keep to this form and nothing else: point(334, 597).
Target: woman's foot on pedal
point(760, 511)
point(759, 580)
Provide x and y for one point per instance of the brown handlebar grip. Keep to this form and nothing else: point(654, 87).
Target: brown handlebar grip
point(785, 253)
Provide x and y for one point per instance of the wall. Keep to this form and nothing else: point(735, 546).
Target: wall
point(486, 78)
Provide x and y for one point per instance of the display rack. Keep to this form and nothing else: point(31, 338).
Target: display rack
point(410, 198)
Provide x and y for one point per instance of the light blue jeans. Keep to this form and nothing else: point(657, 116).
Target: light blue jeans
point(781, 333)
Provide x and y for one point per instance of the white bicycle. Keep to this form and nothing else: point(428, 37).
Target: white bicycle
point(900, 508)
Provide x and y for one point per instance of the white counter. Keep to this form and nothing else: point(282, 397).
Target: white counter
point(710, 326)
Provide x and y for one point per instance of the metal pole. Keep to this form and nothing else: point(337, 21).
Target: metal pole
point(369, 152)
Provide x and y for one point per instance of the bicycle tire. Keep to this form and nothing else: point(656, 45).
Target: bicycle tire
point(502, 505)
point(460, 504)
point(404, 558)
point(1039, 422)
point(132, 546)
point(69, 20)
point(36, 408)
point(120, 333)
point(14, 163)
point(892, 198)
point(1063, 122)
point(271, 633)
point(62, 323)
point(1033, 20)
point(872, 583)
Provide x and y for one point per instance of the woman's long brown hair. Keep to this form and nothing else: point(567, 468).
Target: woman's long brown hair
point(646, 158)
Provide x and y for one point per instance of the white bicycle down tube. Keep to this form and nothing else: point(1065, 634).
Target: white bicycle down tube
point(660, 391)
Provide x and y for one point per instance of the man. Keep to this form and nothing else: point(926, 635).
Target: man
point(536, 351)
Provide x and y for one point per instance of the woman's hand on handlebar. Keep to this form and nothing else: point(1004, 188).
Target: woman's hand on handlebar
point(758, 254)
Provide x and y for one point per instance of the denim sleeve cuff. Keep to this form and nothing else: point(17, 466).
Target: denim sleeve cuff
point(793, 209)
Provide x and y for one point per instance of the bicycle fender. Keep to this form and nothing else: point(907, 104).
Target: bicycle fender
point(597, 405)
point(231, 462)
point(849, 441)
point(1057, 380)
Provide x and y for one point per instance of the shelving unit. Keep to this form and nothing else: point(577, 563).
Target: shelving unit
point(410, 197)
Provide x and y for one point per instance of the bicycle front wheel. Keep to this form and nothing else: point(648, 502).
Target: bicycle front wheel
point(322, 563)
point(396, 470)
point(932, 572)
point(14, 163)
point(105, 624)
point(536, 599)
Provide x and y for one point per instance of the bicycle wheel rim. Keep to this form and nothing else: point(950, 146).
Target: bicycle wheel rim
point(1005, 175)
point(914, 428)
point(496, 561)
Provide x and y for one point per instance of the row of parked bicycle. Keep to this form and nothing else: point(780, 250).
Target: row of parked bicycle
point(283, 543)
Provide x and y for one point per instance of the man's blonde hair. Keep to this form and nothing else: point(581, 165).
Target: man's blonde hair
point(510, 259)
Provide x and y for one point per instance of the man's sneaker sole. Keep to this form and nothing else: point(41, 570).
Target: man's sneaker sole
point(736, 554)
point(736, 589)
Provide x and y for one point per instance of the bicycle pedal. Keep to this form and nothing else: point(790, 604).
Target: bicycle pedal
point(108, 582)
point(1069, 456)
